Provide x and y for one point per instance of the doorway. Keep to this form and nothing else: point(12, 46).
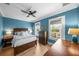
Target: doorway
point(57, 28)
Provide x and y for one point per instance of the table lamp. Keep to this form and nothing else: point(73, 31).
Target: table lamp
point(9, 32)
point(74, 32)
point(30, 31)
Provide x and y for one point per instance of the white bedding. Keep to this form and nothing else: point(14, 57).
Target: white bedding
point(20, 40)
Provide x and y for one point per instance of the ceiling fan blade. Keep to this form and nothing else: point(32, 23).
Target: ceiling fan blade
point(33, 15)
point(34, 12)
point(28, 15)
point(28, 9)
point(7, 3)
point(24, 11)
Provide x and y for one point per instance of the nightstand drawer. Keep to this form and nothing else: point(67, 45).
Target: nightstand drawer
point(7, 40)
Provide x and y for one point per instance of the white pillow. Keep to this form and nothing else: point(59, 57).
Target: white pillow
point(17, 33)
point(24, 33)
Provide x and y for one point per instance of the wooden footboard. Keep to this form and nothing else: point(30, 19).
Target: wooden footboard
point(24, 47)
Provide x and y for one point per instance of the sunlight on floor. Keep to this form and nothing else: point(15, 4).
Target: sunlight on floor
point(37, 50)
point(58, 46)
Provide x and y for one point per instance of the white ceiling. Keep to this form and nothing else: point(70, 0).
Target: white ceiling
point(14, 10)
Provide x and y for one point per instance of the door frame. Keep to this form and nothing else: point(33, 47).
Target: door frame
point(63, 25)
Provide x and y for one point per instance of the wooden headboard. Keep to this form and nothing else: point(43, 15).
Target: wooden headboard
point(20, 29)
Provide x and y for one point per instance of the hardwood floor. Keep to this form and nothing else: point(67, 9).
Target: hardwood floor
point(38, 50)
point(63, 48)
point(60, 48)
point(8, 51)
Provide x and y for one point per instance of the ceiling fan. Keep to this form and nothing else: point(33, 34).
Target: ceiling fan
point(29, 12)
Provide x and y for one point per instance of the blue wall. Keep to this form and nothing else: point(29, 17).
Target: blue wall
point(71, 18)
point(1, 30)
point(9, 23)
point(44, 25)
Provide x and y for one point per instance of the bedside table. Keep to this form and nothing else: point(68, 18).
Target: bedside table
point(7, 40)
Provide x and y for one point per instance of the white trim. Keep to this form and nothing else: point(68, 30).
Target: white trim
point(63, 25)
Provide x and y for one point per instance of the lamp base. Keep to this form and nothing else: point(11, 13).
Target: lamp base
point(75, 39)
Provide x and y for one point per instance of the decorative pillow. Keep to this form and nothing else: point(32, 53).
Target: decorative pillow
point(18, 33)
point(15, 33)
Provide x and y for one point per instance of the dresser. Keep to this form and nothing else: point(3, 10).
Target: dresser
point(43, 37)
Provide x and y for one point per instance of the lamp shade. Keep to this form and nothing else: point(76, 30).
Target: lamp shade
point(73, 31)
point(30, 31)
point(9, 32)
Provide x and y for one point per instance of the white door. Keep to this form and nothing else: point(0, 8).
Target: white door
point(37, 28)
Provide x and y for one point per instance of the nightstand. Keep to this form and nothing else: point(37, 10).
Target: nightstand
point(7, 40)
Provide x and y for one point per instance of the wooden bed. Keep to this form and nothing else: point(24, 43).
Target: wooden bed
point(23, 47)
